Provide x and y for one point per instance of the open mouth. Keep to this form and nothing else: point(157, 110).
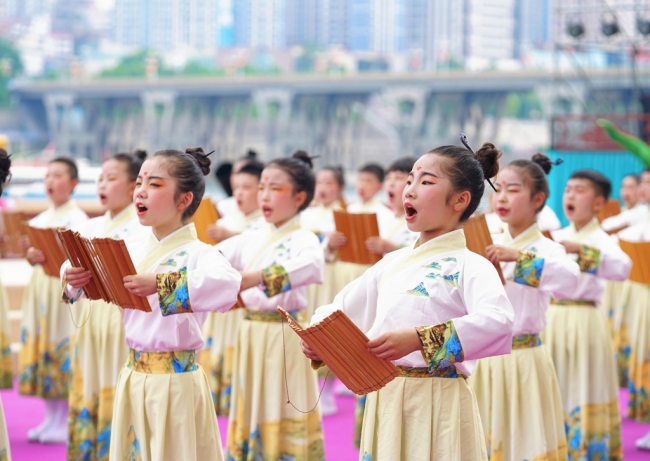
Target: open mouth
point(391, 196)
point(140, 208)
point(266, 211)
point(411, 212)
point(50, 191)
point(570, 208)
point(102, 197)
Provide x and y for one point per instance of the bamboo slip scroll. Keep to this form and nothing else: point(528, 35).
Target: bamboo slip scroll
point(206, 215)
point(14, 229)
point(46, 241)
point(109, 262)
point(639, 253)
point(611, 208)
point(478, 238)
point(341, 345)
point(357, 228)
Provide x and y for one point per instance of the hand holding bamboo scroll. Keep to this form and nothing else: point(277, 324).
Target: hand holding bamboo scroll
point(394, 345)
point(500, 253)
point(77, 277)
point(141, 284)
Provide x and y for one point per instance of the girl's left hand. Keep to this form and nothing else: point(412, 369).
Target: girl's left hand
point(380, 246)
point(141, 284)
point(500, 253)
point(395, 344)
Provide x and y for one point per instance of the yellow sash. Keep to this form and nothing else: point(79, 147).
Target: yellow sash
point(275, 235)
point(451, 241)
point(123, 217)
point(183, 236)
point(530, 235)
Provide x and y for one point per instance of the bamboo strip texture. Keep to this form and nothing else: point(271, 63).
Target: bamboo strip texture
point(47, 241)
point(639, 253)
point(478, 238)
point(205, 216)
point(357, 228)
point(342, 346)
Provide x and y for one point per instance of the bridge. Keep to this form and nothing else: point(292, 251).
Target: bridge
point(345, 119)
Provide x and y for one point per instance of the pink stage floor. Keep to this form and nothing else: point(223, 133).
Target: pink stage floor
point(23, 413)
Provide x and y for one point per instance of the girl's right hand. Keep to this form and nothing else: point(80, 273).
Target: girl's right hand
point(219, 233)
point(35, 256)
point(308, 352)
point(77, 277)
point(337, 240)
point(500, 253)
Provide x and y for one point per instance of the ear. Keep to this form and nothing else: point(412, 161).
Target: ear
point(184, 201)
point(538, 201)
point(74, 183)
point(461, 201)
point(299, 198)
point(598, 204)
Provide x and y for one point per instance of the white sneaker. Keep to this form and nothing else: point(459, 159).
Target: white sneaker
point(644, 442)
point(50, 412)
point(57, 432)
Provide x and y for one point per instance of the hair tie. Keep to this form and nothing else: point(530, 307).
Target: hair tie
point(463, 139)
point(557, 162)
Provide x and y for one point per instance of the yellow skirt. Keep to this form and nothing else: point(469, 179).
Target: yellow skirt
point(164, 416)
point(220, 333)
point(639, 373)
point(44, 360)
point(344, 273)
point(262, 425)
point(520, 405)
point(609, 305)
point(623, 321)
point(6, 367)
point(417, 419)
point(99, 352)
point(579, 342)
point(5, 452)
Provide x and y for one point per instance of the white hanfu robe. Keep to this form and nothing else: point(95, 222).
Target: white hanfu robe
point(456, 303)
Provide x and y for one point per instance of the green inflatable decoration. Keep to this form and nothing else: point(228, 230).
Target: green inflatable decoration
point(631, 143)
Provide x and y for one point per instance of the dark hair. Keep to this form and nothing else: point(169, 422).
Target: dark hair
point(339, 174)
point(375, 169)
point(250, 156)
point(222, 173)
point(298, 167)
point(72, 166)
point(468, 172)
point(402, 165)
point(253, 168)
point(189, 169)
point(636, 177)
point(599, 181)
point(5, 165)
point(132, 161)
point(535, 171)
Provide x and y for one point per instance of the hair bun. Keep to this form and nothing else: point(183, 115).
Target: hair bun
point(304, 157)
point(197, 154)
point(250, 155)
point(488, 156)
point(5, 165)
point(140, 154)
point(544, 162)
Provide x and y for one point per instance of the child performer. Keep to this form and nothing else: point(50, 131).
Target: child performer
point(229, 204)
point(44, 359)
point(520, 423)
point(277, 263)
point(98, 348)
point(6, 373)
point(432, 309)
point(636, 299)
point(635, 210)
point(577, 334)
point(220, 330)
point(163, 408)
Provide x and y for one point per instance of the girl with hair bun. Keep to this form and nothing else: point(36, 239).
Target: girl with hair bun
point(432, 309)
point(518, 394)
point(277, 263)
point(163, 407)
point(98, 348)
point(6, 367)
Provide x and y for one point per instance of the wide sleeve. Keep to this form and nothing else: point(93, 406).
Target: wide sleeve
point(231, 250)
point(554, 272)
point(616, 222)
point(210, 284)
point(485, 331)
point(606, 261)
point(304, 267)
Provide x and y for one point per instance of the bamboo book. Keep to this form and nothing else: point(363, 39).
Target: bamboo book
point(548, 235)
point(205, 216)
point(639, 253)
point(478, 238)
point(341, 345)
point(357, 228)
point(46, 241)
point(109, 262)
point(14, 227)
point(611, 208)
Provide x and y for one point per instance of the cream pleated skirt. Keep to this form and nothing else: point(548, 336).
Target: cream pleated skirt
point(322, 295)
point(422, 419)
point(99, 352)
point(625, 300)
point(6, 367)
point(5, 452)
point(162, 415)
point(44, 360)
point(609, 305)
point(344, 273)
point(520, 405)
point(638, 300)
point(262, 425)
point(578, 339)
point(220, 333)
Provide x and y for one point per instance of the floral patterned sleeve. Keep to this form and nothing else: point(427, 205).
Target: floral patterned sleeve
point(173, 293)
point(528, 270)
point(441, 346)
point(275, 280)
point(588, 259)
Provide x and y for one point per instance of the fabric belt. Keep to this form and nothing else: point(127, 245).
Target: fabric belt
point(573, 302)
point(448, 372)
point(526, 341)
point(162, 362)
point(273, 316)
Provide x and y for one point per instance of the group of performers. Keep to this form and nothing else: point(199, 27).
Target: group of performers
point(526, 370)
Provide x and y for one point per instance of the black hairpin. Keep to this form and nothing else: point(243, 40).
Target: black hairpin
point(209, 154)
point(463, 139)
point(558, 161)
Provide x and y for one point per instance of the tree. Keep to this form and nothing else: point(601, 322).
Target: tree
point(135, 65)
point(10, 67)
